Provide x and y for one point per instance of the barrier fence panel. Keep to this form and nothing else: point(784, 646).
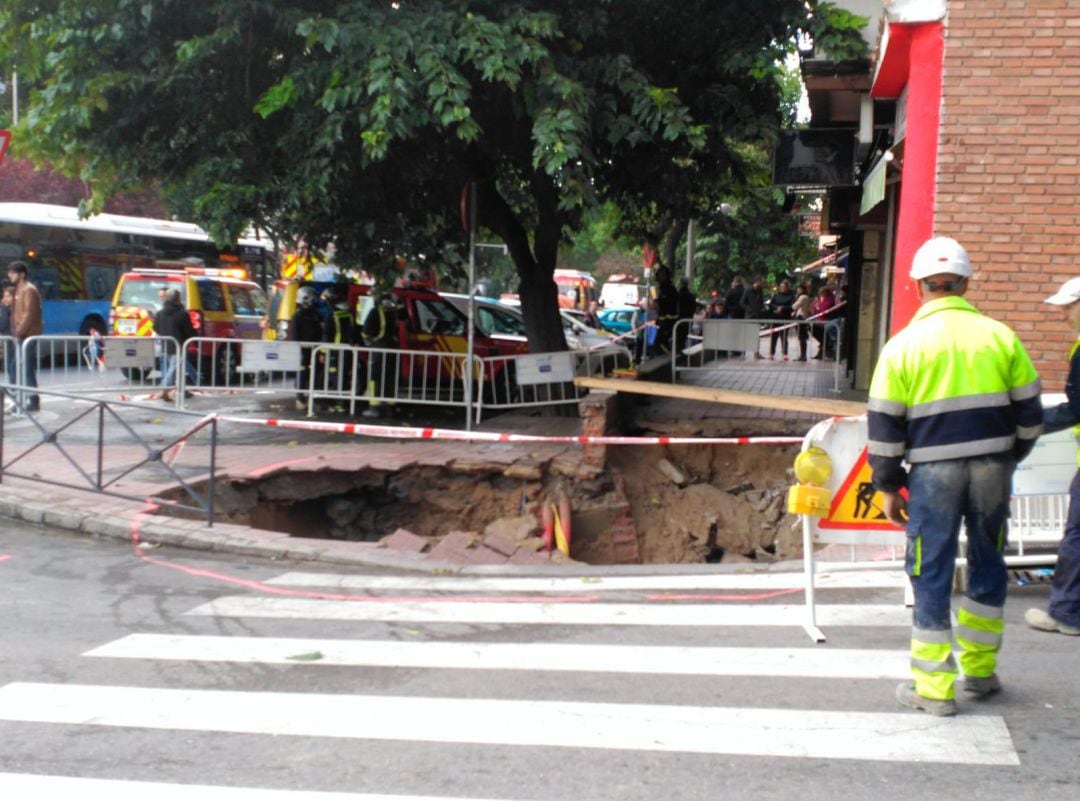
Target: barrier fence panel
point(544, 379)
point(95, 364)
point(342, 375)
point(719, 340)
point(724, 339)
point(11, 356)
point(113, 448)
point(238, 366)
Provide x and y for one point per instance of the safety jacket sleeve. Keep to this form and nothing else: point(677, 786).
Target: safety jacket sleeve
point(886, 419)
point(1067, 414)
point(1025, 395)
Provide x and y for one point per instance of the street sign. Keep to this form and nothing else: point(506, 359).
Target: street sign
point(5, 140)
point(261, 356)
point(857, 505)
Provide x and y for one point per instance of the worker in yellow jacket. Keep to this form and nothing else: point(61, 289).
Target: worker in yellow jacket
point(1062, 616)
point(955, 397)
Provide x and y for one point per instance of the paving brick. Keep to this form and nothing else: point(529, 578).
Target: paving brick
point(503, 545)
point(404, 540)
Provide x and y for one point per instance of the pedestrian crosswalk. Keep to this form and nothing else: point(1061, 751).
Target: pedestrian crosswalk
point(324, 635)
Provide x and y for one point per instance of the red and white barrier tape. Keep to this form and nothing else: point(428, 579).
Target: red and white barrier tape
point(394, 432)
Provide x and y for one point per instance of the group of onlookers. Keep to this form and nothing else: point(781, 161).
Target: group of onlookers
point(820, 309)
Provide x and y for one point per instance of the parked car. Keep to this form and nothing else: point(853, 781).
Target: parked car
point(499, 319)
point(618, 321)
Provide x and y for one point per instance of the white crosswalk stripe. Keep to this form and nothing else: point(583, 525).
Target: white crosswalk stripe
point(555, 613)
point(763, 580)
point(896, 737)
point(652, 659)
point(28, 786)
point(888, 736)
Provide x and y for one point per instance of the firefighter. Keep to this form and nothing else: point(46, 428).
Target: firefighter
point(956, 397)
point(380, 331)
point(339, 329)
point(306, 327)
point(667, 307)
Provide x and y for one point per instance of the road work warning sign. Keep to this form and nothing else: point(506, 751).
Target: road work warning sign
point(855, 515)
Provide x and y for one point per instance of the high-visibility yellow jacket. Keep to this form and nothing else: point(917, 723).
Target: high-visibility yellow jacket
point(953, 384)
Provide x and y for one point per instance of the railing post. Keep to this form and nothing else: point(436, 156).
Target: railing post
point(213, 468)
point(100, 444)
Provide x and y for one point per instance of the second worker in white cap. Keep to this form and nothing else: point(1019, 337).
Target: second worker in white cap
point(1063, 613)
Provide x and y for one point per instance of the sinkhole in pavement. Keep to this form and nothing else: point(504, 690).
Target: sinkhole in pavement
point(648, 504)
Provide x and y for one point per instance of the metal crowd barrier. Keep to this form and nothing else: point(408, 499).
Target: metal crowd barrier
point(722, 340)
point(96, 446)
point(93, 364)
point(343, 375)
point(505, 386)
point(11, 356)
point(238, 366)
point(338, 375)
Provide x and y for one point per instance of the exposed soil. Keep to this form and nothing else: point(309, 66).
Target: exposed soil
point(730, 505)
point(733, 503)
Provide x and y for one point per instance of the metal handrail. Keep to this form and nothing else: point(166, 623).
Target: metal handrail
point(94, 479)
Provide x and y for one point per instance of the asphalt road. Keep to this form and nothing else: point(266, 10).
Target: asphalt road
point(311, 701)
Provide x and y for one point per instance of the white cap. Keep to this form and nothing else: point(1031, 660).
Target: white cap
point(1069, 293)
point(938, 256)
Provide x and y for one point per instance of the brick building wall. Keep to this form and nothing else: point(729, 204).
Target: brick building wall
point(1009, 161)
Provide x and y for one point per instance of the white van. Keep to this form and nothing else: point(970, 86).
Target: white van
point(617, 293)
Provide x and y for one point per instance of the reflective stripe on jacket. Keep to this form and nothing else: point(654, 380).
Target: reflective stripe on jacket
point(953, 384)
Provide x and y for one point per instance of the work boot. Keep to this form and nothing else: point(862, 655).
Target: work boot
point(1042, 621)
point(906, 696)
point(982, 686)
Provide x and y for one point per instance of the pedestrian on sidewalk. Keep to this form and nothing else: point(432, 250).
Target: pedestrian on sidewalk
point(25, 323)
point(824, 301)
point(1063, 614)
point(962, 432)
point(686, 306)
point(173, 321)
point(800, 310)
point(753, 305)
point(780, 308)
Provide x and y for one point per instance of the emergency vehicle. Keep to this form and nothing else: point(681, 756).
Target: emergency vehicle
point(429, 322)
point(221, 302)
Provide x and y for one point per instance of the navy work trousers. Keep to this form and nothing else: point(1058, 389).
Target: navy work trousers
point(1065, 591)
point(943, 495)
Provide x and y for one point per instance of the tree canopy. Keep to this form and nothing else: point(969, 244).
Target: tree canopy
point(361, 121)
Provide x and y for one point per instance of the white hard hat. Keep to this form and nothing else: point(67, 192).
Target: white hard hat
point(938, 256)
point(306, 295)
point(1069, 293)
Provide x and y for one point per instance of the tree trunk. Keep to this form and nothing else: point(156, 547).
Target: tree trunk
point(537, 290)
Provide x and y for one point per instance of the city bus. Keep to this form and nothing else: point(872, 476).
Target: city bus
point(75, 263)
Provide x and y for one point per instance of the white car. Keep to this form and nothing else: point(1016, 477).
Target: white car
point(500, 320)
